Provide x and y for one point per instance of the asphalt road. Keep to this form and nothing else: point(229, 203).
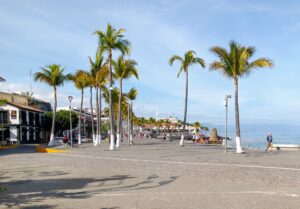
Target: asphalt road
point(150, 174)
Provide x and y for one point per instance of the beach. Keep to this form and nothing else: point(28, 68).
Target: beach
point(150, 174)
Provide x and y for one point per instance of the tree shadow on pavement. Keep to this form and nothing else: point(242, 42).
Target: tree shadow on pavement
point(39, 207)
point(36, 191)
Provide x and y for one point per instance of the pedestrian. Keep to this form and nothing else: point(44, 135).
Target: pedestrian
point(197, 137)
point(269, 142)
point(194, 137)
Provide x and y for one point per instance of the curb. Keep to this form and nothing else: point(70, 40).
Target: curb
point(9, 147)
point(47, 150)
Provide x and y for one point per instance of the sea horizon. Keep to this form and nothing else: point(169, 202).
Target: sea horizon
point(253, 136)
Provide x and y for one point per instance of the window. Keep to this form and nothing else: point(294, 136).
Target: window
point(4, 134)
point(37, 119)
point(23, 117)
point(3, 117)
point(31, 118)
point(13, 114)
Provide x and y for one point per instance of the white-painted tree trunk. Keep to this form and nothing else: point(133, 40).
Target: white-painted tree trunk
point(118, 140)
point(51, 142)
point(112, 142)
point(181, 140)
point(79, 138)
point(95, 140)
point(238, 145)
point(99, 139)
point(131, 139)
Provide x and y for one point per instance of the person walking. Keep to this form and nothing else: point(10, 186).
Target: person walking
point(269, 142)
point(194, 137)
point(197, 137)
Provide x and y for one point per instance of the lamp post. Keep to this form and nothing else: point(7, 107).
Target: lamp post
point(71, 136)
point(226, 106)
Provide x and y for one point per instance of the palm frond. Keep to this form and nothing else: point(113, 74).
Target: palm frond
point(175, 57)
point(132, 94)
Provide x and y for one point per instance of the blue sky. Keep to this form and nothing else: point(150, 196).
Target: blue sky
point(37, 33)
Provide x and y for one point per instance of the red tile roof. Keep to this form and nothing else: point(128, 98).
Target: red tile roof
point(24, 107)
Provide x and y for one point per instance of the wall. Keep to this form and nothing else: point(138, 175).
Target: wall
point(10, 108)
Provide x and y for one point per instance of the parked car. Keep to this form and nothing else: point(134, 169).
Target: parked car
point(58, 141)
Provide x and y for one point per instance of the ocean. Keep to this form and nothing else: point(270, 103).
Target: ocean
point(255, 136)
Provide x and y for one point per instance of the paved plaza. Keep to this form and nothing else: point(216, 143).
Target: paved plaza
point(150, 174)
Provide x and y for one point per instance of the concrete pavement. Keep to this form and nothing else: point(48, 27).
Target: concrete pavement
point(150, 174)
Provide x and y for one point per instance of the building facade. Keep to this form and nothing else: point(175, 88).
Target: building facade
point(21, 124)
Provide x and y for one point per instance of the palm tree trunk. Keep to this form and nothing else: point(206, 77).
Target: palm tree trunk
point(92, 115)
point(51, 142)
point(79, 119)
point(97, 112)
point(185, 106)
point(111, 110)
point(131, 124)
point(100, 122)
point(237, 118)
point(119, 133)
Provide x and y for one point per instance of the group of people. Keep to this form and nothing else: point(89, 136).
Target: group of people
point(198, 136)
point(197, 139)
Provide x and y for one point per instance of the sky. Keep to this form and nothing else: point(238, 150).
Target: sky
point(37, 33)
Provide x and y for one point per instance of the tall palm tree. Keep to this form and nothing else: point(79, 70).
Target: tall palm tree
point(53, 75)
point(197, 125)
point(235, 63)
point(115, 99)
point(185, 62)
point(152, 122)
point(111, 40)
point(91, 84)
point(101, 81)
point(81, 81)
point(99, 73)
point(123, 69)
point(131, 95)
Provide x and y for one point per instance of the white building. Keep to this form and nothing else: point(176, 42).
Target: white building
point(86, 113)
point(21, 124)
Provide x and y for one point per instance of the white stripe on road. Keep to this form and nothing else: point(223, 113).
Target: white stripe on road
point(198, 193)
point(181, 163)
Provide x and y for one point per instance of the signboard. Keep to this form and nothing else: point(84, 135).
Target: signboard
point(13, 114)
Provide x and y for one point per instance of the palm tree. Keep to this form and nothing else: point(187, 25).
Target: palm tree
point(54, 77)
point(152, 122)
point(124, 69)
point(81, 81)
point(131, 95)
point(197, 125)
point(111, 40)
point(91, 84)
point(185, 62)
point(115, 99)
point(235, 63)
point(99, 72)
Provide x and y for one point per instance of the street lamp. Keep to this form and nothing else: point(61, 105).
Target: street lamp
point(71, 137)
point(226, 106)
